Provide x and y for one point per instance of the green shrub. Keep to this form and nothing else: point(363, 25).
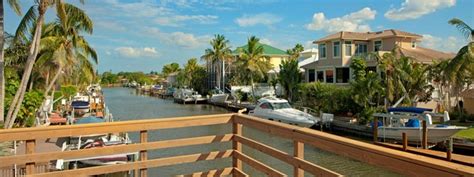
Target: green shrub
point(327, 98)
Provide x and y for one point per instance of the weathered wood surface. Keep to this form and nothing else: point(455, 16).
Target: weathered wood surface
point(211, 173)
point(395, 160)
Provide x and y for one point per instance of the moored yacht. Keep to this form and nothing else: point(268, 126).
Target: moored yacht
point(280, 110)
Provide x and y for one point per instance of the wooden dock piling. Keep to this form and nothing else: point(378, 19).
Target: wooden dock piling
point(405, 141)
point(424, 139)
point(376, 129)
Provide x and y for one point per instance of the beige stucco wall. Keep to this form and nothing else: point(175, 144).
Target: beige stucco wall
point(277, 60)
point(469, 105)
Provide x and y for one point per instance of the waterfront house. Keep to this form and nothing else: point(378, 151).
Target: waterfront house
point(172, 79)
point(308, 56)
point(336, 51)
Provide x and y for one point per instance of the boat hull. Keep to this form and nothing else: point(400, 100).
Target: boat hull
point(291, 121)
point(414, 134)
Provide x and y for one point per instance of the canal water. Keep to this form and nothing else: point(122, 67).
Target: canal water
point(126, 104)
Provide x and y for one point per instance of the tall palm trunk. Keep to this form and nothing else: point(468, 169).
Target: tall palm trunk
point(32, 54)
point(253, 90)
point(2, 65)
point(56, 76)
point(218, 74)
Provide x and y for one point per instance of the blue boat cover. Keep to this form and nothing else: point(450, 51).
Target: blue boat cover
point(80, 104)
point(88, 120)
point(413, 123)
point(409, 109)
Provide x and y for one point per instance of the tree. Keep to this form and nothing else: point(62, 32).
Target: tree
point(290, 77)
point(461, 68)
point(254, 63)
point(219, 53)
point(170, 68)
point(295, 51)
point(34, 17)
point(65, 46)
point(16, 7)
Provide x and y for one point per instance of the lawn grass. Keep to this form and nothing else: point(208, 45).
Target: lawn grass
point(466, 134)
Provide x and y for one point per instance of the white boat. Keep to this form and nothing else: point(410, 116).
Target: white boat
point(218, 97)
point(185, 95)
point(280, 110)
point(81, 104)
point(408, 120)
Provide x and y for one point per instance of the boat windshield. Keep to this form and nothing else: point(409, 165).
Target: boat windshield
point(281, 105)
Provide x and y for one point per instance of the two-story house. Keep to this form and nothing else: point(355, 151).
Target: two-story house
point(275, 56)
point(336, 51)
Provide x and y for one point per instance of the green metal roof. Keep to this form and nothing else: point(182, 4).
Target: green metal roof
point(267, 50)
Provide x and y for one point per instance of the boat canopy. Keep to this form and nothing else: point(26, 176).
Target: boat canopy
point(410, 110)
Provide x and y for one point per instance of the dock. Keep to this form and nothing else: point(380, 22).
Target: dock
point(388, 158)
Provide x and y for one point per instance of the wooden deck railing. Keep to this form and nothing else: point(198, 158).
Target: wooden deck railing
point(405, 163)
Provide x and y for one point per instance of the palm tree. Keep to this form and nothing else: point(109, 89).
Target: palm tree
point(189, 69)
point(461, 68)
point(34, 18)
point(290, 77)
point(219, 53)
point(295, 51)
point(16, 7)
point(253, 61)
point(65, 46)
point(170, 68)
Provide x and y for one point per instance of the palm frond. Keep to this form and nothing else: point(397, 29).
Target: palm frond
point(26, 23)
point(465, 29)
point(15, 6)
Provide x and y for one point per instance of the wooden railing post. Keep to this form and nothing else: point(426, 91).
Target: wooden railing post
point(376, 129)
point(405, 141)
point(30, 149)
point(424, 139)
point(237, 146)
point(144, 153)
point(298, 151)
point(449, 149)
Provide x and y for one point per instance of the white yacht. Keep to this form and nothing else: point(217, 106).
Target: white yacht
point(185, 95)
point(408, 120)
point(280, 110)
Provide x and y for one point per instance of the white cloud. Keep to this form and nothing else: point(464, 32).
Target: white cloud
point(176, 20)
point(131, 52)
point(355, 21)
point(412, 9)
point(262, 18)
point(449, 44)
point(181, 39)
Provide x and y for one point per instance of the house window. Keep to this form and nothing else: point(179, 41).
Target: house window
point(361, 49)
point(371, 68)
point(322, 50)
point(320, 76)
point(329, 76)
point(413, 44)
point(311, 75)
point(336, 49)
point(342, 75)
point(348, 48)
point(377, 46)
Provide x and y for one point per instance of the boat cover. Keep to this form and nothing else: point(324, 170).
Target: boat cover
point(409, 109)
point(91, 119)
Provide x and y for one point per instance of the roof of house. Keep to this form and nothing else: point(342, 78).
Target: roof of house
point(425, 55)
point(267, 50)
point(469, 93)
point(368, 35)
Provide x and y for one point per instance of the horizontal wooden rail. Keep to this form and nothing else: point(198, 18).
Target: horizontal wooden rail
point(258, 165)
point(401, 162)
point(109, 150)
point(111, 127)
point(217, 172)
point(139, 165)
point(297, 162)
point(239, 173)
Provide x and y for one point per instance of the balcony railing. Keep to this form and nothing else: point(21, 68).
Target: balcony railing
point(402, 162)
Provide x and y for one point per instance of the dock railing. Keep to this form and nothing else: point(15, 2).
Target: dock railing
point(401, 162)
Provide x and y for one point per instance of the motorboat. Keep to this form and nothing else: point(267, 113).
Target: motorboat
point(280, 110)
point(185, 95)
point(218, 97)
point(107, 159)
point(408, 120)
point(80, 104)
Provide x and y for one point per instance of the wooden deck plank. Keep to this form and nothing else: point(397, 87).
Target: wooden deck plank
point(238, 173)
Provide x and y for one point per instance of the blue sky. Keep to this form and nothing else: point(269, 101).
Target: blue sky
point(143, 35)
